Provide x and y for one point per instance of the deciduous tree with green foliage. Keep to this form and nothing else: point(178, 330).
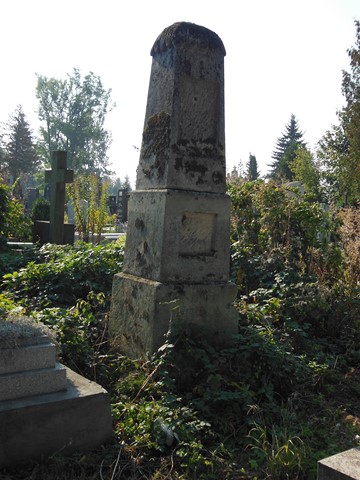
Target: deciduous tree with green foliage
point(305, 170)
point(73, 113)
point(339, 149)
point(285, 150)
point(90, 221)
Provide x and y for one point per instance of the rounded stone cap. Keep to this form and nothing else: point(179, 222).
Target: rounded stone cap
point(190, 33)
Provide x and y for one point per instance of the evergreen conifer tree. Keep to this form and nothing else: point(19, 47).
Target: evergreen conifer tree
point(285, 150)
point(21, 157)
point(252, 172)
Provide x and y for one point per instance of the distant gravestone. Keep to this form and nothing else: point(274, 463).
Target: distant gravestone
point(70, 212)
point(177, 245)
point(31, 195)
point(44, 406)
point(122, 204)
point(57, 177)
point(47, 192)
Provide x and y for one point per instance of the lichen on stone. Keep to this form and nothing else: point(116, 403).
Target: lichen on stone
point(155, 145)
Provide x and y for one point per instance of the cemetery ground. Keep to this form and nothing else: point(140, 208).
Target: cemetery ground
point(285, 393)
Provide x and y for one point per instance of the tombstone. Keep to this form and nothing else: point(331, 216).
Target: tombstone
point(112, 204)
point(122, 205)
point(44, 407)
point(56, 231)
point(178, 236)
point(58, 176)
point(70, 212)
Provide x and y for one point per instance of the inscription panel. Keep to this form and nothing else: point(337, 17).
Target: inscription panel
point(197, 234)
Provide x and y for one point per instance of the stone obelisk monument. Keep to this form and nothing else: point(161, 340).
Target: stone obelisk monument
point(177, 245)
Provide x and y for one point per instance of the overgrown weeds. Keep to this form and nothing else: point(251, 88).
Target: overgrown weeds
point(282, 396)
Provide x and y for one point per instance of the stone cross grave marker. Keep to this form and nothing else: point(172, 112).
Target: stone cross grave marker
point(57, 177)
point(177, 245)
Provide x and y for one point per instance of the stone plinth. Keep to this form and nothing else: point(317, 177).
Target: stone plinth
point(145, 311)
point(78, 418)
point(30, 357)
point(176, 236)
point(343, 466)
point(41, 233)
point(44, 407)
point(32, 382)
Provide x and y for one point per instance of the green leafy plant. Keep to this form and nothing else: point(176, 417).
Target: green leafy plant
point(85, 267)
point(40, 209)
point(90, 220)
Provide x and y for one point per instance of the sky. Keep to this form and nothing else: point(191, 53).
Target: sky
point(283, 57)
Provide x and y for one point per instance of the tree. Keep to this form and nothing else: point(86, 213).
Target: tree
point(21, 157)
point(307, 172)
point(74, 111)
point(126, 183)
point(252, 172)
point(339, 149)
point(116, 184)
point(3, 159)
point(285, 150)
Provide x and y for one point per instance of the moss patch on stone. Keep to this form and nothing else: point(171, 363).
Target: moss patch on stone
point(155, 147)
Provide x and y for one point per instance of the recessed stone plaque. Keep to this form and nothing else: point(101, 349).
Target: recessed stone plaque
point(197, 234)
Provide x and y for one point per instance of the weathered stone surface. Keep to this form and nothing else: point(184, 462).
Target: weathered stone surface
point(143, 311)
point(78, 418)
point(26, 358)
point(32, 382)
point(183, 140)
point(177, 246)
point(15, 341)
point(176, 236)
point(343, 466)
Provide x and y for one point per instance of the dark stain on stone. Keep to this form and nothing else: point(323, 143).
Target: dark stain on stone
point(140, 259)
point(200, 148)
point(200, 181)
point(217, 177)
point(134, 291)
point(155, 145)
point(196, 167)
point(178, 163)
point(139, 224)
point(179, 288)
point(186, 67)
point(146, 247)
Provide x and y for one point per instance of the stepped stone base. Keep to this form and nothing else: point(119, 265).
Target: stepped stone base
point(343, 466)
point(25, 358)
point(78, 418)
point(143, 311)
point(32, 382)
